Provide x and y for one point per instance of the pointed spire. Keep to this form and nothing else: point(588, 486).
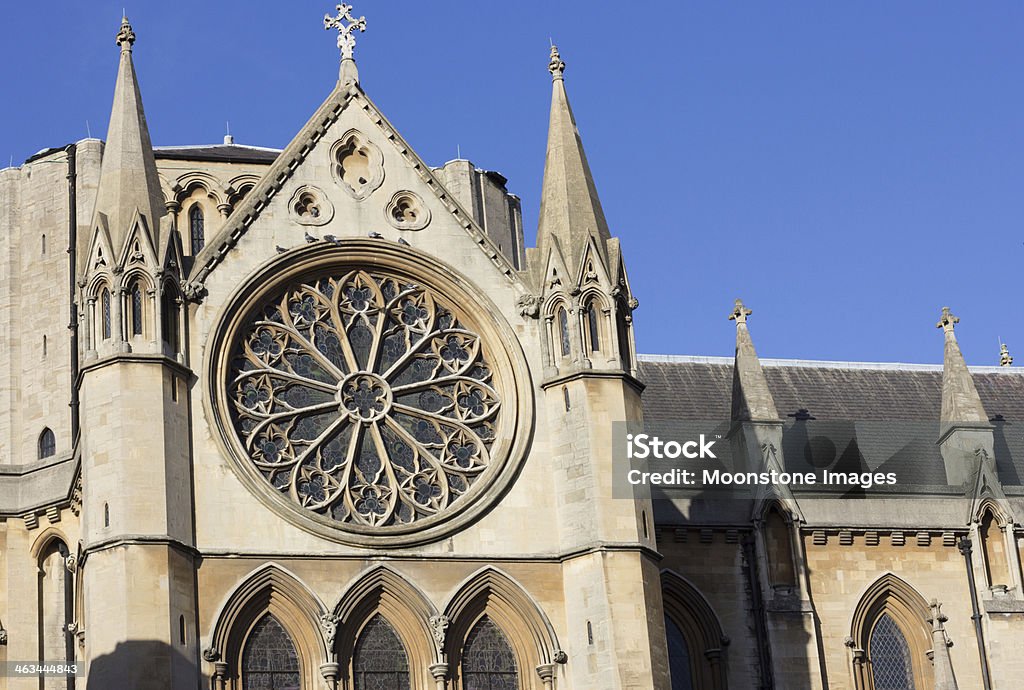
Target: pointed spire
point(960, 399)
point(570, 210)
point(751, 399)
point(941, 663)
point(128, 176)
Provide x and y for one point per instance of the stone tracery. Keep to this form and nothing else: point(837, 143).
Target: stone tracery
point(363, 398)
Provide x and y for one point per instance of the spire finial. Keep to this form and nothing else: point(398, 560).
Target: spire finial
point(125, 37)
point(1005, 359)
point(346, 39)
point(556, 65)
point(947, 322)
point(740, 313)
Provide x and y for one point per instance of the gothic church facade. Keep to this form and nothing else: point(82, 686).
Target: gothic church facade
point(317, 418)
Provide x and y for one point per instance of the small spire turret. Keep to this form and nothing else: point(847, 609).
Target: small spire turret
point(961, 403)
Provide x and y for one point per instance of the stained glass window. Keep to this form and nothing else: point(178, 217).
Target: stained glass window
point(363, 398)
point(678, 657)
point(890, 656)
point(197, 230)
point(105, 309)
point(136, 309)
point(593, 328)
point(269, 660)
point(47, 444)
point(563, 330)
point(380, 661)
point(488, 662)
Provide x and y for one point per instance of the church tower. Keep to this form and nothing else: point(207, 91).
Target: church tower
point(137, 533)
point(590, 398)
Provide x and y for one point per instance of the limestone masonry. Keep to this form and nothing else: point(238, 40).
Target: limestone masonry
point(318, 418)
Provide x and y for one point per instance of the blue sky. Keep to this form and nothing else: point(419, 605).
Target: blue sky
point(845, 168)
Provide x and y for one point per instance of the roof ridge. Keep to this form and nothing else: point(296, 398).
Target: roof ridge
point(824, 364)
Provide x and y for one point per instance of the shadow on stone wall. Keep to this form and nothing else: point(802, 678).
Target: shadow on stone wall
point(146, 665)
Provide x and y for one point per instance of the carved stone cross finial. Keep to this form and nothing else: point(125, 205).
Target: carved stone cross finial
point(947, 321)
point(1005, 359)
point(740, 313)
point(346, 39)
point(125, 37)
point(556, 65)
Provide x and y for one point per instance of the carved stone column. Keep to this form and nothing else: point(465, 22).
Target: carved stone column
point(440, 675)
point(547, 675)
point(329, 671)
point(220, 674)
point(87, 327)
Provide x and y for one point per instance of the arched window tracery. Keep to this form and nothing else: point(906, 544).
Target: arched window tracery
point(890, 638)
point(380, 660)
point(197, 228)
point(488, 662)
point(269, 659)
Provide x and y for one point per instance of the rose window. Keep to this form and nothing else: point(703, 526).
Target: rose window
point(362, 397)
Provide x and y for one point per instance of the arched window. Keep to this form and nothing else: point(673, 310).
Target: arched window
point(380, 660)
point(891, 638)
point(993, 545)
point(488, 662)
point(891, 668)
point(779, 547)
point(680, 672)
point(169, 317)
point(563, 330)
point(696, 645)
point(47, 444)
point(137, 321)
point(197, 229)
point(269, 660)
point(593, 328)
point(105, 309)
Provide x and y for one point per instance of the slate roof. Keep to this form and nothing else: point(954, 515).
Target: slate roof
point(218, 153)
point(846, 401)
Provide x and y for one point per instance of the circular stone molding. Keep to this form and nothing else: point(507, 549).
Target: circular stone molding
point(369, 395)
